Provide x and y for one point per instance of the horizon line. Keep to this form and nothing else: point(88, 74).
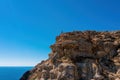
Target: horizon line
point(16, 66)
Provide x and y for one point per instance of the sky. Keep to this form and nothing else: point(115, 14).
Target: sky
point(29, 27)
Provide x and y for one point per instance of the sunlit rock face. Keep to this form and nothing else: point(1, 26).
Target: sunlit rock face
point(77, 55)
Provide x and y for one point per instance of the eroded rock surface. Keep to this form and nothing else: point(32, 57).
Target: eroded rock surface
point(77, 55)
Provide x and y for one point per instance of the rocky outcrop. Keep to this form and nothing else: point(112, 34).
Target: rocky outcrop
point(77, 55)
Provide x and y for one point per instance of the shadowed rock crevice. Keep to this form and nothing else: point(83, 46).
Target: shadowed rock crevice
point(77, 55)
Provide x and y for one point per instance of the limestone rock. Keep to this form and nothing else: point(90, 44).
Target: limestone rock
point(77, 55)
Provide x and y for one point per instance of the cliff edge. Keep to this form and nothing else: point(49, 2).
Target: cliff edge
point(77, 55)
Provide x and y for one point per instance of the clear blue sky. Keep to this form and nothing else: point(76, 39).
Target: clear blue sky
point(29, 27)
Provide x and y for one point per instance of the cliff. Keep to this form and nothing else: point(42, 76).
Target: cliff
point(77, 55)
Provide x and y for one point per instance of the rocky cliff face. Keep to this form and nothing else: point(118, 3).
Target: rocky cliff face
point(88, 55)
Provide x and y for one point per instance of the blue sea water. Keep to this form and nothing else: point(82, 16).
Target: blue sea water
point(12, 73)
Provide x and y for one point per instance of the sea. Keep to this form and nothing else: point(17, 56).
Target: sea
point(12, 73)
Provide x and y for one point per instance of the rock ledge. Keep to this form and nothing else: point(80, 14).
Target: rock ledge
point(77, 55)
